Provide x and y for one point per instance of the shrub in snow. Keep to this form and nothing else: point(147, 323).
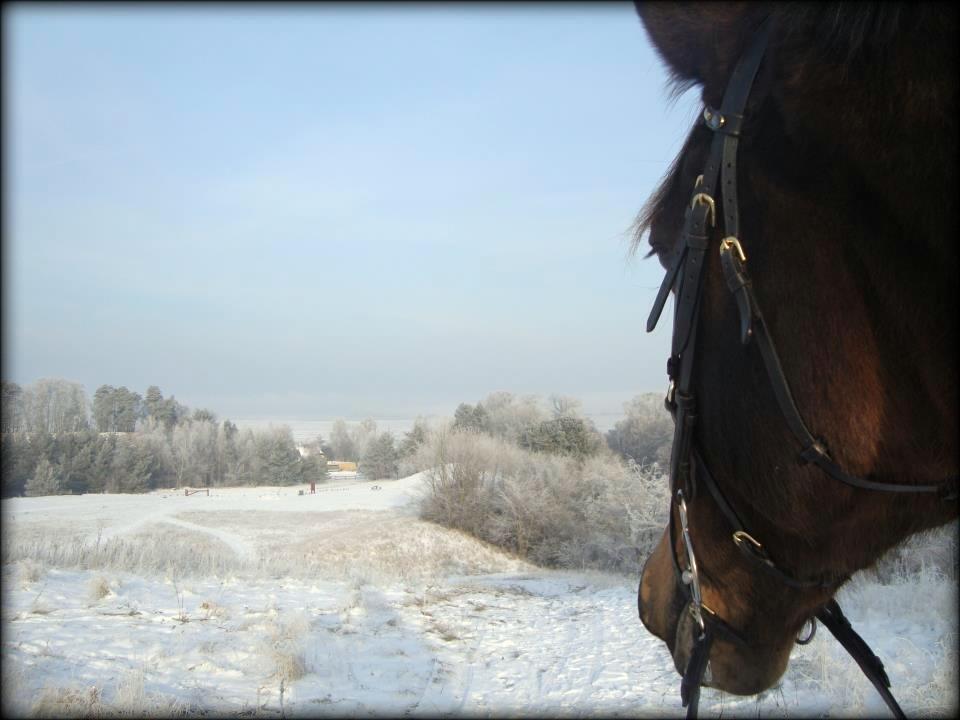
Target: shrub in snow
point(934, 550)
point(30, 570)
point(553, 509)
point(97, 588)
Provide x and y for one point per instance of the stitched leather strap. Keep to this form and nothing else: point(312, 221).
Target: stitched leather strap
point(836, 622)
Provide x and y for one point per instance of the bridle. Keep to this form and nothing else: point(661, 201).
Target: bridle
point(685, 278)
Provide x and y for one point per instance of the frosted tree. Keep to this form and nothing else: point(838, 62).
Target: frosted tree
point(104, 412)
point(55, 405)
point(12, 407)
point(563, 406)
point(646, 433)
point(414, 438)
point(363, 434)
point(380, 459)
point(44, 481)
point(509, 418)
point(342, 443)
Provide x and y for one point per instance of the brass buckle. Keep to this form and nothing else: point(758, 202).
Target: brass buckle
point(704, 199)
point(730, 242)
point(741, 536)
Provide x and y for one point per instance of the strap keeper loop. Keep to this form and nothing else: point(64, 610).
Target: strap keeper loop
point(673, 367)
point(813, 452)
point(686, 401)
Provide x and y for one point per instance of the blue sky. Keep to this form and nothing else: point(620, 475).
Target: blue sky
point(321, 211)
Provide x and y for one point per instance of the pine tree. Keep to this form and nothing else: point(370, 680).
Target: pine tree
point(44, 481)
point(380, 459)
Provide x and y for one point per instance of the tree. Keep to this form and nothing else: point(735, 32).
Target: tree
point(414, 438)
point(467, 418)
point(563, 406)
point(55, 405)
point(19, 461)
point(173, 412)
point(204, 415)
point(102, 472)
point(280, 460)
point(44, 480)
point(314, 469)
point(363, 434)
point(74, 454)
point(564, 436)
point(153, 402)
point(509, 418)
point(342, 444)
point(128, 409)
point(645, 435)
point(12, 407)
point(104, 410)
point(380, 458)
point(164, 410)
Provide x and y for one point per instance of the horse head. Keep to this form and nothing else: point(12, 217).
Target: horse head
point(844, 191)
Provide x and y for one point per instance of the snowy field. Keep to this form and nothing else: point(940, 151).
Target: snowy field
point(263, 602)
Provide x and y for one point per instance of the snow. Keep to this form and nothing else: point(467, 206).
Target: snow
point(261, 600)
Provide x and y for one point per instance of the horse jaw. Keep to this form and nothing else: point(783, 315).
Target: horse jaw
point(732, 668)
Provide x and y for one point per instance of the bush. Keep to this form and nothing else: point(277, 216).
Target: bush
point(556, 510)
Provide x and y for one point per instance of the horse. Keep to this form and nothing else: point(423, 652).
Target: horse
point(809, 232)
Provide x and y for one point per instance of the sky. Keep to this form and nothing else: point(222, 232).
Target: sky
point(333, 210)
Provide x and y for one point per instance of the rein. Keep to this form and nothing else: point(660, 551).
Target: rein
point(685, 278)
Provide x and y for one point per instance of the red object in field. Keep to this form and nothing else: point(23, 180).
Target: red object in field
point(313, 488)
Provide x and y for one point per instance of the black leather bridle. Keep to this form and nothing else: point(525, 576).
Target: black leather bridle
point(685, 278)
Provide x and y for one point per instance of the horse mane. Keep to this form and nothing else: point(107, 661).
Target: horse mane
point(838, 33)
point(844, 30)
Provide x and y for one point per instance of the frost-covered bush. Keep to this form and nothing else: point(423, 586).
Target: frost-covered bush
point(558, 511)
point(934, 550)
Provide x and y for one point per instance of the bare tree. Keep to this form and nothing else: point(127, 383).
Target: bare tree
point(55, 405)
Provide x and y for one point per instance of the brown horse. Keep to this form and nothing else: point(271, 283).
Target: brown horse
point(846, 171)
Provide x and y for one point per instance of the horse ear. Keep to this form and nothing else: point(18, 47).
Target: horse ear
point(699, 42)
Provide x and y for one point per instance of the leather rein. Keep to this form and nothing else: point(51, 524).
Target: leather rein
point(685, 278)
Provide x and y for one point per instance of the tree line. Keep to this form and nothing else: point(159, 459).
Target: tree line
point(644, 435)
point(55, 441)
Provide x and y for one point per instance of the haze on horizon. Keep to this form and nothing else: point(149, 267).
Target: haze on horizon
point(334, 210)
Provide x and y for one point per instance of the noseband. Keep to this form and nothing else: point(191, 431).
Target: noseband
point(685, 278)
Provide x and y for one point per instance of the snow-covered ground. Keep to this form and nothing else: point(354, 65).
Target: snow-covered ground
point(264, 601)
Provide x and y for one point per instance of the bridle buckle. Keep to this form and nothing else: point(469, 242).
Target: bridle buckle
point(731, 243)
point(703, 199)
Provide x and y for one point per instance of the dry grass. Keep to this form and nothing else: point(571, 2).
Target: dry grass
point(157, 548)
point(129, 700)
point(31, 570)
point(283, 647)
point(98, 588)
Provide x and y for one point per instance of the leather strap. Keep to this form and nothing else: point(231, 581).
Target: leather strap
point(693, 675)
point(836, 622)
point(812, 449)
